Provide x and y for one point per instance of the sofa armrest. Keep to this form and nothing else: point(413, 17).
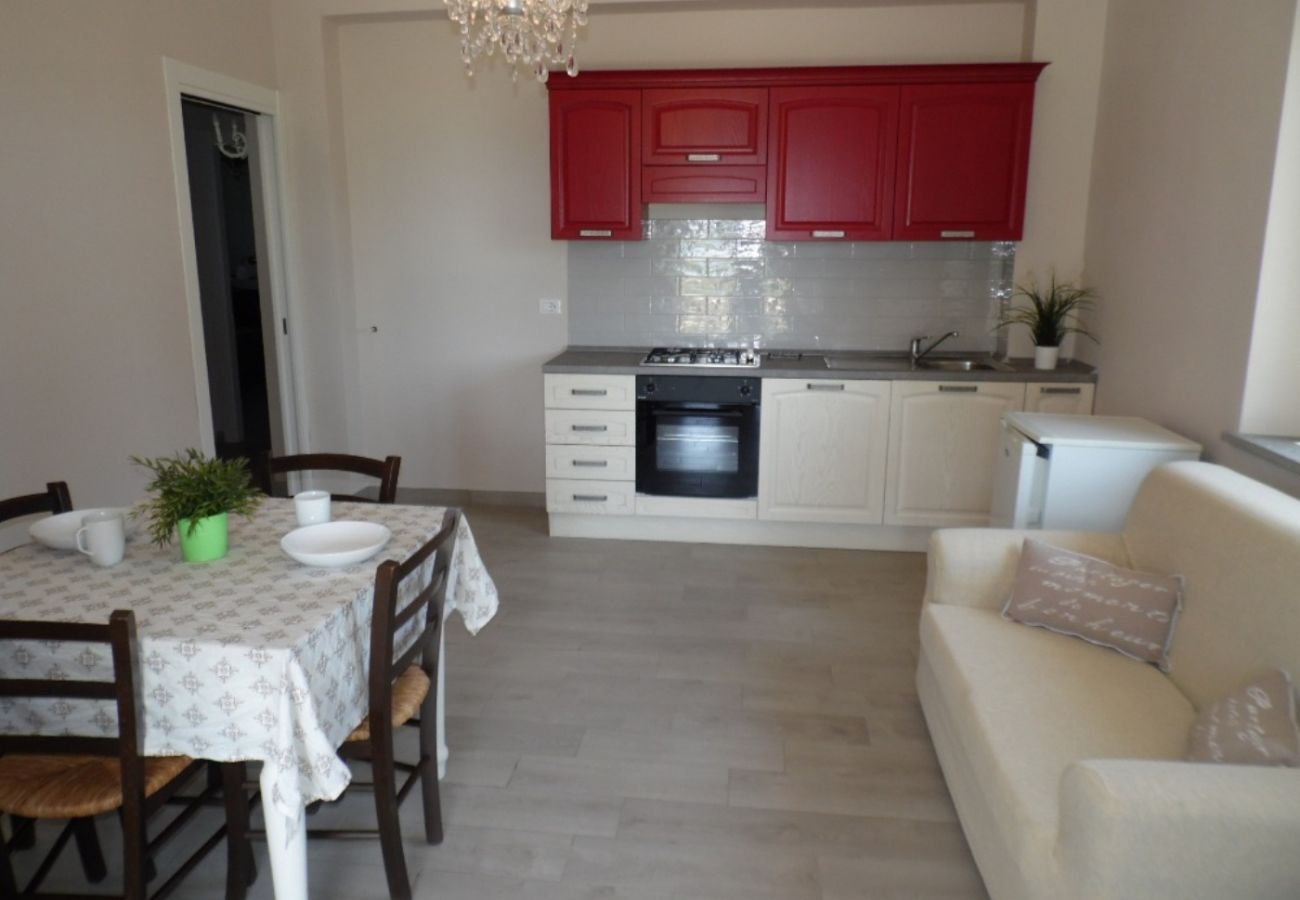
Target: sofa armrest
point(975, 566)
point(1156, 828)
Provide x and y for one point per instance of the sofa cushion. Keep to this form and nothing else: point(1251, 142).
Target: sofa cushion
point(1027, 702)
point(1254, 725)
point(1102, 603)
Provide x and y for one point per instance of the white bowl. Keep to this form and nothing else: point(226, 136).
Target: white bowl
point(59, 532)
point(335, 543)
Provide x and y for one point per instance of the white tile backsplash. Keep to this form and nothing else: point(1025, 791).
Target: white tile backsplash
point(694, 282)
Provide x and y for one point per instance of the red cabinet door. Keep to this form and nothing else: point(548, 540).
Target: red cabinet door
point(831, 163)
point(596, 164)
point(963, 159)
point(704, 125)
point(703, 184)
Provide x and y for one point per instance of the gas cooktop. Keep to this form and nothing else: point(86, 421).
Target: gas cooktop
point(715, 357)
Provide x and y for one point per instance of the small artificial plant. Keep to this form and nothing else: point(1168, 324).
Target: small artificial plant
point(192, 486)
point(1052, 313)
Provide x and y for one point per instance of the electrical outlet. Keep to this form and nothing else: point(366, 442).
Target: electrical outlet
point(551, 306)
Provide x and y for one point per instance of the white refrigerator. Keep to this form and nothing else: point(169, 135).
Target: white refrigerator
point(1077, 472)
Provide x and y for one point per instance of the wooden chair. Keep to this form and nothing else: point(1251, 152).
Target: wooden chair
point(56, 499)
point(400, 687)
point(267, 467)
point(74, 778)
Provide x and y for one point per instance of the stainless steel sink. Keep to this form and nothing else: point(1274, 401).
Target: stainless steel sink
point(869, 364)
point(964, 365)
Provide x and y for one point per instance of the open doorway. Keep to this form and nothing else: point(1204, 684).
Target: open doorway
point(229, 242)
point(225, 162)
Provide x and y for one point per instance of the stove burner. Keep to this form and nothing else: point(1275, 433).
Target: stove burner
point(702, 356)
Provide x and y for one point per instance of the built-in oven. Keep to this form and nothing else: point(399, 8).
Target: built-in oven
point(697, 435)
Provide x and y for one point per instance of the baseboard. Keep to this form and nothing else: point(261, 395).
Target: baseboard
point(452, 497)
point(741, 531)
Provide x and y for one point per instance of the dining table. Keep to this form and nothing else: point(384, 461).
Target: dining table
point(252, 657)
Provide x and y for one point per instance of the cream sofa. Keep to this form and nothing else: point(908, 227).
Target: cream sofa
point(1063, 758)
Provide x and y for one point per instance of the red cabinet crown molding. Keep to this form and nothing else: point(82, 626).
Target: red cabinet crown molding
point(948, 73)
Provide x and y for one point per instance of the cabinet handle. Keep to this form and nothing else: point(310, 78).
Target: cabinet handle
point(591, 463)
point(595, 232)
point(590, 427)
point(588, 392)
point(959, 388)
point(1060, 390)
point(590, 498)
point(703, 157)
point(956, 234)
point(814, 386)
point(828, 234)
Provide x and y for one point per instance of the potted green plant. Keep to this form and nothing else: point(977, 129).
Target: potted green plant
point(194, 495)
point(1050, 315)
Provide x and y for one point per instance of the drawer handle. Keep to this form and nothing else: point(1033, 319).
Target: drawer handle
point(590, 427)
point(589, 392)
point(959, 388)
point(590, 498)
point(1057, 390)
point(703, 157)
point(956, 234)
point(829, 233)
point(813, 386)
point(595, 232)
point(591, 463)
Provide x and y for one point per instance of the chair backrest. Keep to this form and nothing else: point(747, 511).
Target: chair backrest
point(397, 603)
point(56, 499)
point(1236, 543)
point(122, 689)
point(386, 470)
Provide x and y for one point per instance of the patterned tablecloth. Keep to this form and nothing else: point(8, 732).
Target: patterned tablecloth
point(250, 657)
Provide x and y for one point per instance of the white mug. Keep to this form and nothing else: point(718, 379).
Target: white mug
point(105, 537)
point(312, 507)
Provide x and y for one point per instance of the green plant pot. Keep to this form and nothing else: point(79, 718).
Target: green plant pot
point(210, 539)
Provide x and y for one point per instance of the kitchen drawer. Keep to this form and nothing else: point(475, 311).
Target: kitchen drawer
point(602, 498)
point(590, 391)
point(591, 463)
point(591, 427)
point(1063, 399)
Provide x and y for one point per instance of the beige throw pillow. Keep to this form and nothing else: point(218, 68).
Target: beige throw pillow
point(1069, 593)
point(1255, 725)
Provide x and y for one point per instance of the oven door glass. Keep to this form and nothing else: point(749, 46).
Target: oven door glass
point(703, 444)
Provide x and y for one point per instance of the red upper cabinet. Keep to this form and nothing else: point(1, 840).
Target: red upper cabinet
point(831, 162)
point(704, 126)
point(963, 159)
point(596, 164)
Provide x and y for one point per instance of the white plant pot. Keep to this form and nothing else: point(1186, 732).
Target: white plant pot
point(1045, 357)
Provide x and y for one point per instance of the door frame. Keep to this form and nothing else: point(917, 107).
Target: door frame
point(183, 80)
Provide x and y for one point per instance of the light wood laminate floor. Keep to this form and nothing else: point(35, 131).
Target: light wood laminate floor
point(649, 721)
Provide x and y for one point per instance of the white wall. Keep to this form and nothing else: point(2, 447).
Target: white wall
point(1273, 373)
point(418, 200)
point(1186, 140)
point(94, 343)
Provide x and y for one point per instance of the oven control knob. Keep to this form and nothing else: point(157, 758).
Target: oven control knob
point(650, 387)
point(746, 390)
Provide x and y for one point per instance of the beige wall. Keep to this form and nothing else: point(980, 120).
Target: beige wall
point(418, 200)
point(1186, 140)
point(94, 343)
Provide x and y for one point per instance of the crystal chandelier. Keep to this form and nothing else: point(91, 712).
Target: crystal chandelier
point(535, 33)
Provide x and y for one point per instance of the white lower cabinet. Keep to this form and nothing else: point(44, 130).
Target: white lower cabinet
point(591, 444)
point(944, 439)
point(1062, 399)
point(822, 451)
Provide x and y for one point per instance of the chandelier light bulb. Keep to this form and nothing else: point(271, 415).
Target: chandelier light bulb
point(537, 34)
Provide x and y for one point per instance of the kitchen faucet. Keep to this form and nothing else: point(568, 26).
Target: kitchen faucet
point(917, 354)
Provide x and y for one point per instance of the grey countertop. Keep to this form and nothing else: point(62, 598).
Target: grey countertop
point(813, 364)
point(1281, 450)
